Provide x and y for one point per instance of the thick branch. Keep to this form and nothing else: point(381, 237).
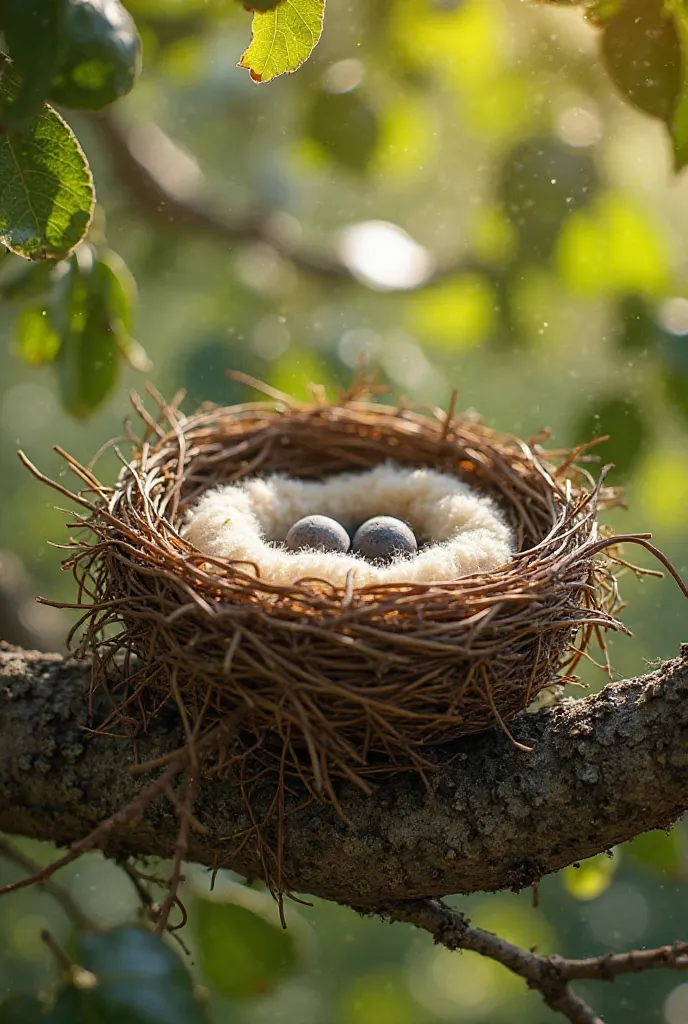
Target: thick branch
point(603, 770)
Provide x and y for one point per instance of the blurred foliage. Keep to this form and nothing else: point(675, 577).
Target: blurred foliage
point(469, 193)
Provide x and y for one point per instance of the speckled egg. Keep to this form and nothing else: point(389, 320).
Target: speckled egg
point(384, 538)
point(318, 533)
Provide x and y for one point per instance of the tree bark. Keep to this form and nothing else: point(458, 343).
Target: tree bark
point(602, 770)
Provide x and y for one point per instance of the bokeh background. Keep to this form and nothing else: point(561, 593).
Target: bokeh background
point(471, 205)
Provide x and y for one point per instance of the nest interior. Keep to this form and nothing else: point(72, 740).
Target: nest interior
point(334, 682)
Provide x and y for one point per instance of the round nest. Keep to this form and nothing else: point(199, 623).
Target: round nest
point(332, 681)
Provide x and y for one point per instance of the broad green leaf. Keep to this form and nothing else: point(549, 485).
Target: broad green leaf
point(22, 1010)
point(542, 182)
point(102, 55)
point(641, 50)
point(283, 38)
point(628, 431)
point(117, 288)
point(37, 340)
point(46, 188)
point(678, 126)
point(34, 34)
point(590, 878)
point(345, 126)
point(138, 980)
point(661, 852)
point(242, 948)
point(88, 365)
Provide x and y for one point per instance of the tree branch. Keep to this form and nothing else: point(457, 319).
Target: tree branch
point(550, 975)
point(603, 770)
point(161, 204)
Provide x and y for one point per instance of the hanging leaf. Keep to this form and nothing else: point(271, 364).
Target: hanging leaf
point(590, 878)
point(624, 422)
point(46, 188)
point(345, 126)
point(117, 288)
point(101, 58)
point(641, 50)
point(661, 853)
point(283, 38)
point(37, 341)
point(87, 361)
point(137, 979)
point(242, 948)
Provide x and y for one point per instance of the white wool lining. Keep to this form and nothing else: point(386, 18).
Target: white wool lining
point(463, 531)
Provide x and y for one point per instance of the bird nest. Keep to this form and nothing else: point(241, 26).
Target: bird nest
point(310, 681)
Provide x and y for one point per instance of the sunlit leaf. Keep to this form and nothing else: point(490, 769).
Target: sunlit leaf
point(590, 878)
point(283, 38)
point(345, 126)
point(624, 422)
point(455, 315)
point(663, 853)
point(46, 188)
point(615, 247)
point(242, 948)
point(37, 340)
point(642, 53)
point(22, 1010)
point(138, 979)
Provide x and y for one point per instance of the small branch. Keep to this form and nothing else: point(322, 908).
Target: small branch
point(551, 976)
point(180, 211)
point(12, 853)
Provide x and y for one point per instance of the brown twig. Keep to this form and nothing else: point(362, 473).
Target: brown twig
point(549, 975)
point(10, 852)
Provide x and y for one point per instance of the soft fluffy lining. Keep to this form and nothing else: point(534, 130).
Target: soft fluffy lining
point(462, 530)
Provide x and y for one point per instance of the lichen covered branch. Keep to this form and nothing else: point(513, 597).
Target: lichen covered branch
point(602, 770)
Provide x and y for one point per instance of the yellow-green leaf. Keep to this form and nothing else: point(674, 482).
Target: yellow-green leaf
point(283, 38)
point(588, 880)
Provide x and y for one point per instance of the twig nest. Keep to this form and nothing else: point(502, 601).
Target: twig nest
point(318, 533)
point(339, 666)
point(384, 539)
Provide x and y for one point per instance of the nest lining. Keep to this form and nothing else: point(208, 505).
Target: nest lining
point(463, 530)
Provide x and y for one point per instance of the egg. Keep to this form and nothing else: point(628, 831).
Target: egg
point(384, 538)
point(318, 533)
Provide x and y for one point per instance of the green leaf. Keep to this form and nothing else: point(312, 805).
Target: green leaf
point(102, 58)
point(590, 878)
point(283, 38)
point(138, 980)
point(37, 340)
point(660, 852)
point(117, 289)
point(46, 188)
point(87, 361)
point(34, 35)
point(628, 431)
point(22, 1010)
point(345, 126)
point(542, 182)
point(242, 948)
point(642, 53)
point(678, 127)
